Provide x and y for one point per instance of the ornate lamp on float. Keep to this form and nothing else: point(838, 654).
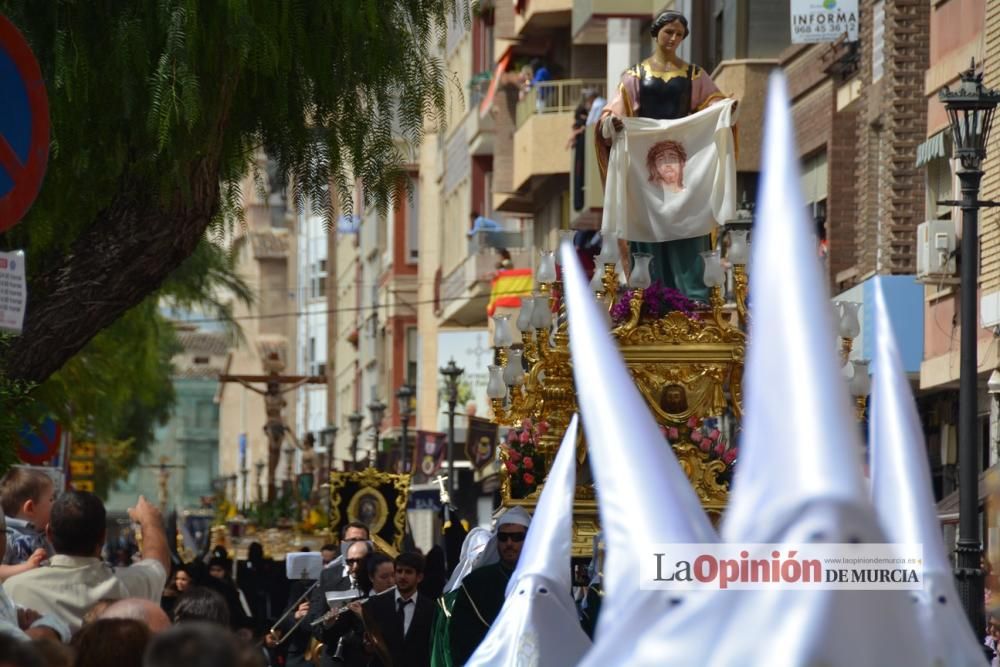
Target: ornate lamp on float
point(687, 362)
point(848, 326)
point(860, 385)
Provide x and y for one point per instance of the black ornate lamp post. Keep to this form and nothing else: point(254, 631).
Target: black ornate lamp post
point(259, 468)
point(354, 420)
point(405, 397)
point(451, 373)
point(377, 411)
point(970, 111)
point(328, 437)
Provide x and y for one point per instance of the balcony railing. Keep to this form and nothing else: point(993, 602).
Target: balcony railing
point(554, 97)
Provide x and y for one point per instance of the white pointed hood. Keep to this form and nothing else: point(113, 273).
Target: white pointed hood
point(901, 492)
point(538, 624)
point(643, 494)
point(799, 478)
point(473, 548)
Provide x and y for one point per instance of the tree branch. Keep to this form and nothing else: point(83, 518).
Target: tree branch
point(124, 256)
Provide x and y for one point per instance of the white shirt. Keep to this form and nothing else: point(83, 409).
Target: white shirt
point(70, 585)
point(407, 610)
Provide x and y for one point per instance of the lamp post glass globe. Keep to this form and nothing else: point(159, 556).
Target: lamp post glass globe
point(405, 395)
point(354, 420)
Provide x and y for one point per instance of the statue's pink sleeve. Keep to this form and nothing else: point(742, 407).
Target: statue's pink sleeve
point(704, 91)
point(625, 103)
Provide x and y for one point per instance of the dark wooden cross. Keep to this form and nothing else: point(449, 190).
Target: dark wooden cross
point(275, 385)
point(164, 468)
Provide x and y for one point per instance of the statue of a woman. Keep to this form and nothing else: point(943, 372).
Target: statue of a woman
point(664, 87)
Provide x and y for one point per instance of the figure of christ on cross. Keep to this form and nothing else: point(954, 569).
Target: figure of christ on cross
point(275, 386)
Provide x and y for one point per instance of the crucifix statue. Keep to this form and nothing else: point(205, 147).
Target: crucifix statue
point(164, 469)
point(275, 386)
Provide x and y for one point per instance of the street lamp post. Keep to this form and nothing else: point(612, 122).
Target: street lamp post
point(259, 466)
point(354, 420)
point(970, 112)
point(451, 373)
point(377, 410)
point(328, 437)
point(404, 395)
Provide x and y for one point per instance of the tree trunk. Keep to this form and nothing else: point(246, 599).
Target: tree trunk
point(126, 254)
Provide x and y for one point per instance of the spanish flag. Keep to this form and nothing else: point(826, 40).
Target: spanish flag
point(508, 288)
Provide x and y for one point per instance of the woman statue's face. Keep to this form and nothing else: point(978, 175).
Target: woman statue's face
point(670, 36)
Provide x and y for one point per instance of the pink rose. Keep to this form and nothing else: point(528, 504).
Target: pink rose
point(705, 445)
point(696, 436)
point(543, 428)
point(693, 422)
point(720, 449)
point(511, 467)
point(526, 423)
point(515, 455)
point(525, 437)
point(714, 435)
point(512, 436)
point(529, 478)
point(528, 463)
point(729, 456)
point(673, 433)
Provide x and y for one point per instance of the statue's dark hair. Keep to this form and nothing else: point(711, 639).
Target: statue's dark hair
point(668, 17)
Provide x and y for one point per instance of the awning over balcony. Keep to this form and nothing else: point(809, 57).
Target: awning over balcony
point(948, 509)
point(938, 146)
point(487, 103)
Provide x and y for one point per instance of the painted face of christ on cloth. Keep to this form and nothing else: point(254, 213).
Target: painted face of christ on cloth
point(665, 162)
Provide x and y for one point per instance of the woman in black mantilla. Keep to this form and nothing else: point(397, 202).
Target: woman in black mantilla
point(663, 87)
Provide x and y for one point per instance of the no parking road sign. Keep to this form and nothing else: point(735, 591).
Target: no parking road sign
point(24, 126)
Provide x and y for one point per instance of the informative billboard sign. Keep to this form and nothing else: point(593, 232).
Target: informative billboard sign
point(824, 20)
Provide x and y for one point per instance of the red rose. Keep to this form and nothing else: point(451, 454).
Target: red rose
point(511, 468)
point(525, 437)
point(528, 463)
point(720, 449)
point(705, 445)
point(529, 478)
point(543, 428)
point(729, 456)
point(515, 455)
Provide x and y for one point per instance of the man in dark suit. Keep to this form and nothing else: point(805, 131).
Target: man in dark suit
point(339, 575)
point(403, 616)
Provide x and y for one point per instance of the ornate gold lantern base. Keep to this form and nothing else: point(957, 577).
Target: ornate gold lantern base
point(683, 366)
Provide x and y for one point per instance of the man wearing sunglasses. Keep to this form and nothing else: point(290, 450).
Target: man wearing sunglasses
point(482, 592)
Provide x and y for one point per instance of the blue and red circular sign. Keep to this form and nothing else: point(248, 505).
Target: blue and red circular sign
point(24, 126)
point(39, 445)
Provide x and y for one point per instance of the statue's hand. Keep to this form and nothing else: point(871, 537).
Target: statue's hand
point(610, 126)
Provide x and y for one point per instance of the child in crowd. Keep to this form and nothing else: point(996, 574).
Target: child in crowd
point(26, 497)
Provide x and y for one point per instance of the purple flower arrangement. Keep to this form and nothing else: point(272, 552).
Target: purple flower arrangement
point(657, 301)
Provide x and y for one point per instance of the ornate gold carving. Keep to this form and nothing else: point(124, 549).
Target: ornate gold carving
point(684, 367)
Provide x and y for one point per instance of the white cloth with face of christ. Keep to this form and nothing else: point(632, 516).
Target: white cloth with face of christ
point(671, 179)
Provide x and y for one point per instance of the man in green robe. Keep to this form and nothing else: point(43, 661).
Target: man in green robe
point(478, 600)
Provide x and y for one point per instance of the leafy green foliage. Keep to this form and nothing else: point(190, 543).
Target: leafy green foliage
point(143, 91)
point(158, 110)
point(118, 389)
